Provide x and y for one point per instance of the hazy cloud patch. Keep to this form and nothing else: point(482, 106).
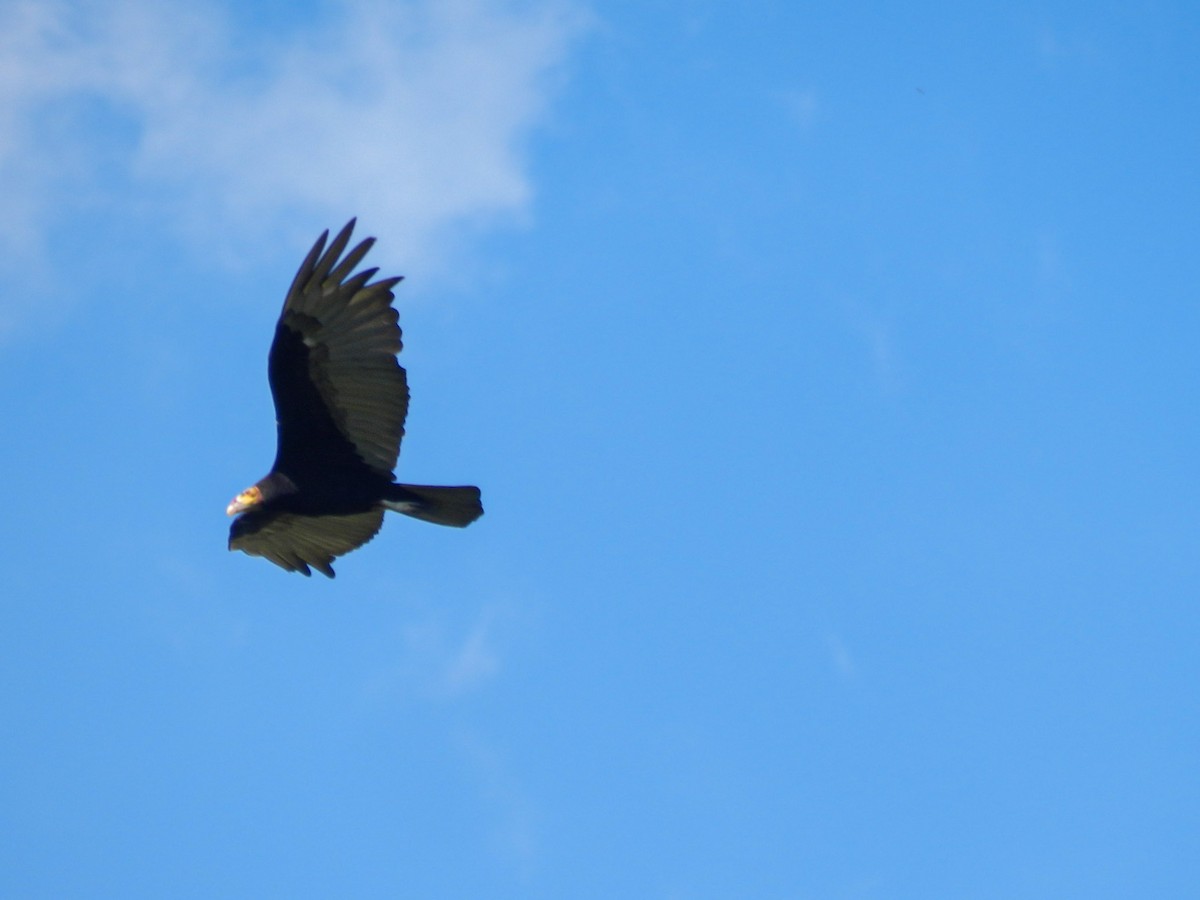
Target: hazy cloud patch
point(513, 818)
point(437, 660)
point(839, 655)
point(1057, 46)
point(415, 115)
point(802, 105)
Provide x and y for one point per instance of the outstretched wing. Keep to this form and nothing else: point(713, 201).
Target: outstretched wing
point(296, 542)
point(340, 395)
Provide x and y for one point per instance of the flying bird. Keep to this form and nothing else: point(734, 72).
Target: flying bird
point(340, 402)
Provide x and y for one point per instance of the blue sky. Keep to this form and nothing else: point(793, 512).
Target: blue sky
point(829, 372)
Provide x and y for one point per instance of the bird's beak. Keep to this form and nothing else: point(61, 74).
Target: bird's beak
point(243, 501)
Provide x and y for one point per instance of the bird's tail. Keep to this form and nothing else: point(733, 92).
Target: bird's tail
point(457, 506)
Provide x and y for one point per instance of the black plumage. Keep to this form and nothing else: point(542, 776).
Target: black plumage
point(341, 398)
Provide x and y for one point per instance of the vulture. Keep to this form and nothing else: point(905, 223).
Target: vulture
point(340, 402)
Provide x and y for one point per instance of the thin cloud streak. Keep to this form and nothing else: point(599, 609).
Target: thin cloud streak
point(437, 662)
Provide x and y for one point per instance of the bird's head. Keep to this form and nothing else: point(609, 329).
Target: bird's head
point(247, 499)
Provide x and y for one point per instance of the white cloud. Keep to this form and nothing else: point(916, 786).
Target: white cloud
point(877, 332)
point(802, 105)
point(413, 115)
point(515, 835)
point(839, 654)
point(1055, 46)
point(438, 661)
point(1052, 275)
point(475, 660)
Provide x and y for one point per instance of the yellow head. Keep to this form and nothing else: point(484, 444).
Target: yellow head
point(247, 499)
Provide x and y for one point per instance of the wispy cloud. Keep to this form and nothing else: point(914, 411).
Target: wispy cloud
point(877, 332)
point(439, 661)
point(802, 105)
point(1054, 45)
point(469, 662)
point(514, 834)
point(1052, 274)
point(414, 114)
point(840, 656)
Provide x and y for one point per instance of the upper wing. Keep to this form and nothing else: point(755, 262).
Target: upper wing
point(339, 391)
point(296, 542)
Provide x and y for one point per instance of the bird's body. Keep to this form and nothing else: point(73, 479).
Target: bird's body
point(340, 403)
